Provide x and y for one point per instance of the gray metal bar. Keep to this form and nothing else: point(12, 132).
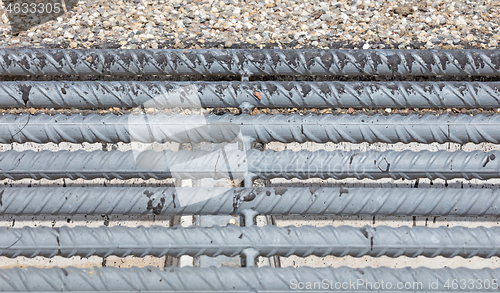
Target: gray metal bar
point(263, 128)
point(266, 201)
point(263, 94)
point(240, 164)
point(266, 241)
point(230, 279)
point(249, 62)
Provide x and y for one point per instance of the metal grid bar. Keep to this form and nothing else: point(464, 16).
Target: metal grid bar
point(263, 94)
point(268, 201)
point(242, 164)
point(248, 241)
point(263, 128)
point(249, 62)
point(266, 241)
point(230, 279)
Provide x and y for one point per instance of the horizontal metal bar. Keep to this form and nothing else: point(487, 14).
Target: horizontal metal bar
point(262, 94)
point(267, 241)
point(230, 279)
point(262, 128)
point(232, 164)
point(249, 62)
point(266, 201)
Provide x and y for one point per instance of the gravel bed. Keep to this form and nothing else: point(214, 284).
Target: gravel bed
point(265, 24)
point(255, 111)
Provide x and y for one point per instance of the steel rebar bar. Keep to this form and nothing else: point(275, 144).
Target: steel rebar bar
point(266, 279)
point(249, 62)
point(266, 241)
point(240, 164)
point(265, 201)
point(263, 128)
point(262, 94)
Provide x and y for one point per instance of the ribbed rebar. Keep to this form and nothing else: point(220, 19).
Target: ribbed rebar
point(240, 164)
point(255, 62)
point(263, 128)
point(267, 241)
point(266, 279)
point(264, 94)
point(266, 201)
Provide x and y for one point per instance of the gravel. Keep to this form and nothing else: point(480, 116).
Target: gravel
point(366, 24)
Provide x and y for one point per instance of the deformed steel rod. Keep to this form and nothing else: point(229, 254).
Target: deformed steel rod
point(263, 128)
point(266, 201)
point(262, 94)
point(249, 62)
point(229, 279)
point(246, 164)
point(266, 241)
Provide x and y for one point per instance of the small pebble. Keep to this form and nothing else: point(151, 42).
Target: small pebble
point(258, 95)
